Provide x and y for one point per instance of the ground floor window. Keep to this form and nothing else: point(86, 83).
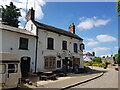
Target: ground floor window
point(58, 64)
point(50, 63)
point(76, 61)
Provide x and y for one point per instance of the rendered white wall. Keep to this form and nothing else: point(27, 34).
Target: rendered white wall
point(11, 40)
point(43, 51)
point(28, 27)
point(42, 45)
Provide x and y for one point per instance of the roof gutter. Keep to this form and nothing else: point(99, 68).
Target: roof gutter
point(36, 50)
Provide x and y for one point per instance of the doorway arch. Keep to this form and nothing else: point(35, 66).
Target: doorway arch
point(25, 66)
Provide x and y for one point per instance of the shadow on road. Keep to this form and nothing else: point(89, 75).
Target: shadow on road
point(98, 71)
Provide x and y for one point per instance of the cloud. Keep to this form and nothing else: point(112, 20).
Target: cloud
point(116, 47)
point(23, 13)
point(39, 13)
point(100, 39)
point(22, 4)
point(86, 24)
point(105, 38)
point(89, 23)
point(101, 22)
point(92, 43)
point(20, 26)
point(81, 18)
point(90, 39)
point(99, 49)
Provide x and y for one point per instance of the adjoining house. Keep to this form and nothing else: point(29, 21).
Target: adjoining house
point(88, 56)
point(21, 42)
point(42, 47)
point(109, 58)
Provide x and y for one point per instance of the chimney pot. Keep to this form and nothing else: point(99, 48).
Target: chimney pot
point(31, 14)
point(71, 28)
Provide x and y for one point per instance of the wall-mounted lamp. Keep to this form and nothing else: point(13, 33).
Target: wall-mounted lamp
point(11, 48)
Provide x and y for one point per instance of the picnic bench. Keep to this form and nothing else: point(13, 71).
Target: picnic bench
point(48, 75)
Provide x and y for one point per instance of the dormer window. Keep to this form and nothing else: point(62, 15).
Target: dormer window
point(31, 26)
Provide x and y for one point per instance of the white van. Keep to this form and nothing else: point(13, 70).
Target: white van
point(10, 73)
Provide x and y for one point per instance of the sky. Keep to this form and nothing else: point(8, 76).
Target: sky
point(96, 22)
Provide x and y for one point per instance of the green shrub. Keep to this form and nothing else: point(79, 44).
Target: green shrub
point(118, 58)
point(102, 65)
point(88, 64)
point(107, 62)
point(97, 59)
point(95, 64)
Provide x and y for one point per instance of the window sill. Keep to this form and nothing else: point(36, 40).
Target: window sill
point(50, 49)
point(23, 49)
point(49, 68)
point(64, 49)
point(58, 67)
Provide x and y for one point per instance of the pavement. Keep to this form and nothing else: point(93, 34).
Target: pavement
point(68, 81)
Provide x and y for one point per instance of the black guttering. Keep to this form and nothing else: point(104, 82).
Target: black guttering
point(36, 50)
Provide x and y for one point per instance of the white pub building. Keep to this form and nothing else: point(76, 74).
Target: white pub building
point(41, 47)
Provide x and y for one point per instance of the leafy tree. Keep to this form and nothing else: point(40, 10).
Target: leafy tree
point(97, 59)
point(10, 15)
point(118, 56)
point(118, 7)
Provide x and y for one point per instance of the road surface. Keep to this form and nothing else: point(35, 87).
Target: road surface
point(108, 80)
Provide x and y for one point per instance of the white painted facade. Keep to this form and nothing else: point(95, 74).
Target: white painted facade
point(43, 51)
point(10, 41)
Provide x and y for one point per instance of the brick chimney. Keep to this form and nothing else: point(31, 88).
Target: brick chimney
point(31, 14)
point(71, 28)
point(93, 53)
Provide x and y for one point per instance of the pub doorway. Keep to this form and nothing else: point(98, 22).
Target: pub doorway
point(25, 66)
point(67, 65)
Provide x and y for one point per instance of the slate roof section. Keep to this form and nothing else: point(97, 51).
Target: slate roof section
point(56, 30)
point(17, 30)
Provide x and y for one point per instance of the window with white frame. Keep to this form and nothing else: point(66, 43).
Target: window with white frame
point(64, 45)
point(75, 47)
point(23, 43)
point(50, 62)
point(50, 43)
